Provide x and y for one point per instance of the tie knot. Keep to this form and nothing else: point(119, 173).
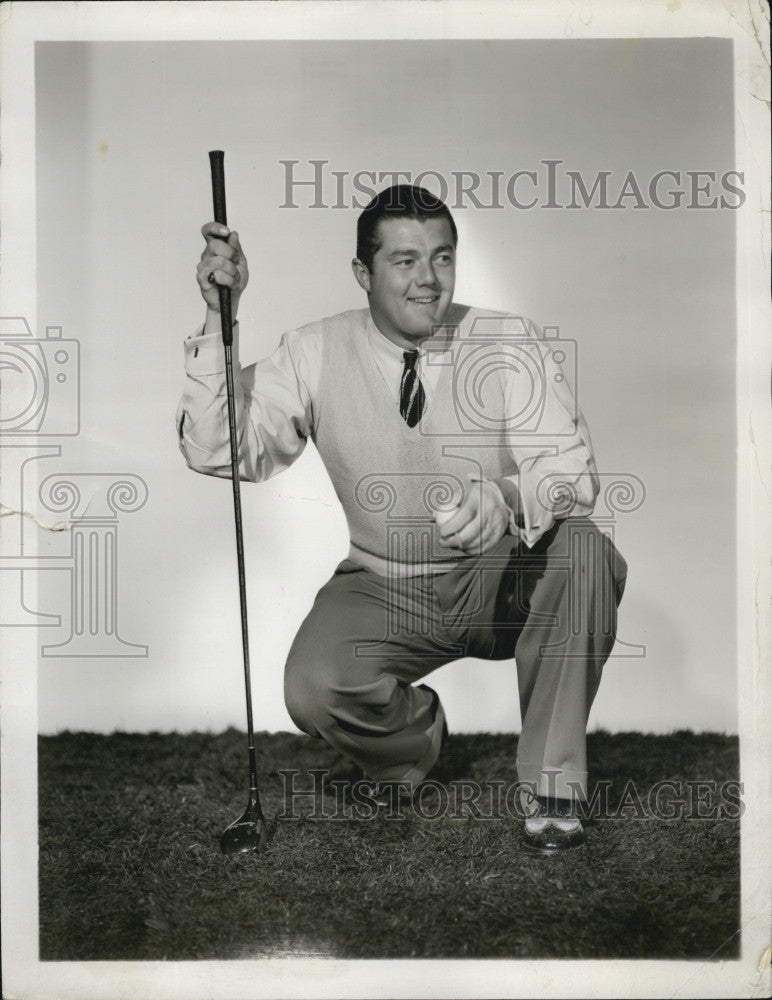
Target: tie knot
point(410, 358)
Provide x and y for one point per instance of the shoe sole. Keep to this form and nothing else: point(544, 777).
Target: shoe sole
point(548, 852)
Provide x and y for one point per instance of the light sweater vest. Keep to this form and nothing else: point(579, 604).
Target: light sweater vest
point(390, 478)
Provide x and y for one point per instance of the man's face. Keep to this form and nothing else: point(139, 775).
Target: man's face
point(410, 286)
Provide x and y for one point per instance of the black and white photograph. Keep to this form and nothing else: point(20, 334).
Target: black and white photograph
point(385, 499)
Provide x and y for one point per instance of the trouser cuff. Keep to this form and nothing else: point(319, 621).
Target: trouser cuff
point(418, 772)
point(553, 782)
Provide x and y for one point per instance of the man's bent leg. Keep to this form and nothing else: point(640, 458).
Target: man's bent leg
point(573, 582)
point(349, 672)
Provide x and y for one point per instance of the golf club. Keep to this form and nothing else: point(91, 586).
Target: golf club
point(250, 831)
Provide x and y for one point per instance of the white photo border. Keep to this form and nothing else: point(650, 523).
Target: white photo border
point(21, 25)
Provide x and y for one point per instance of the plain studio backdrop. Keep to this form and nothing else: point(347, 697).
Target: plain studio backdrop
point(123, 131)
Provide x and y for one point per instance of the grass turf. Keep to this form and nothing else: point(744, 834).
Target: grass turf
point(130, 866)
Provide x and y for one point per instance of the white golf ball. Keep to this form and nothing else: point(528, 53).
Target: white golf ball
point(443, 516)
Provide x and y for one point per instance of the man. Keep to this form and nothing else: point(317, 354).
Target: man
point(465, 473)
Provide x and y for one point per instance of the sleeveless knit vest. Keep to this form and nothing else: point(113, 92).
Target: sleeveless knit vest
point(390, 478)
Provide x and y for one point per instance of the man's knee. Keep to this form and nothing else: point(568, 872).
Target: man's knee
point(593, 580)
point(323, 691)
point(590, 552)
point(305, 695)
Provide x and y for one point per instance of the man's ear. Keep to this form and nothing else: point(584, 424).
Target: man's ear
point(361, 273)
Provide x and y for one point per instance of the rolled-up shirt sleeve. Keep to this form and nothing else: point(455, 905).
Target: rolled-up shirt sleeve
point(274, 410)
point(557, 476)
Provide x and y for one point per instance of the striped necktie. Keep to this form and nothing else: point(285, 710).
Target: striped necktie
point(412, 399)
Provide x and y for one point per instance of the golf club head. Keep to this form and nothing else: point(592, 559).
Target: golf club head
point(247, 834)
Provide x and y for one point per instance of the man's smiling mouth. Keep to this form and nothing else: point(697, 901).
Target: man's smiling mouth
point(424, 300)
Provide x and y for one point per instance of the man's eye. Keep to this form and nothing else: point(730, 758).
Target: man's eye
point(404, 263)
point(445, 258)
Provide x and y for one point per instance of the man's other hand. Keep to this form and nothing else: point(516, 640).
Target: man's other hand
point(480, 521)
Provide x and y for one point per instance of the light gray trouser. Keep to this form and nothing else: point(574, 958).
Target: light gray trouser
point(350, 672)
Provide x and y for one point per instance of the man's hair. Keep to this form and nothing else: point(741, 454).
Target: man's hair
point(399, 201)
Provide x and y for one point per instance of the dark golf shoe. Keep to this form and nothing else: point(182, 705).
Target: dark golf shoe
point(551, 825)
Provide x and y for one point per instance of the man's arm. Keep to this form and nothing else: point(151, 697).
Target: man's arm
point(273, 406)
point(273, 398)
point(557, 476)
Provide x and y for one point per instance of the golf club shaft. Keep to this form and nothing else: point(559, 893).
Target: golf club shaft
point(240, 557)
point(216, 158)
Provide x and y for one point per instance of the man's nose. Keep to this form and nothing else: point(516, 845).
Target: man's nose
point(426, 274)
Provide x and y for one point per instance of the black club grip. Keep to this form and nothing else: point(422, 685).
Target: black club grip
point(217, 164)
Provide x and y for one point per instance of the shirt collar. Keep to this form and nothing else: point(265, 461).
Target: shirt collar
point(386, 351)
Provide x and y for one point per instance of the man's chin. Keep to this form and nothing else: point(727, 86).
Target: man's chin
point(426, 327)
point(422, 332)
